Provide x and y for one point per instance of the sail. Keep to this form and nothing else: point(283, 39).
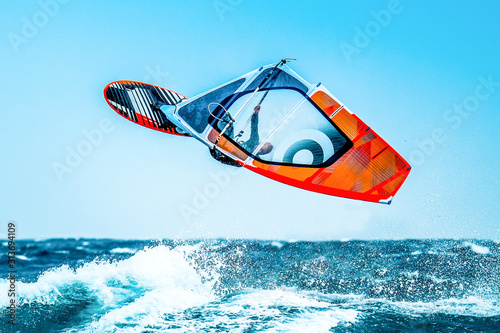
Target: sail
point(299, 134)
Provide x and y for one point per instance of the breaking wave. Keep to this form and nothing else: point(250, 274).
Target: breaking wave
point(271, 286)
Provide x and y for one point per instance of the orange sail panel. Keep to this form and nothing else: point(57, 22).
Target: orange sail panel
point(371, 170)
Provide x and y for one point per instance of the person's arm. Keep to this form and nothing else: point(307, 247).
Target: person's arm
point(254, 130)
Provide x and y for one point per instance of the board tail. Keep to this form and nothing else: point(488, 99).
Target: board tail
point(140, 102)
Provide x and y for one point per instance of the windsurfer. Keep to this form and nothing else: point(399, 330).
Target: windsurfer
point(249, 145)
point(253, 141)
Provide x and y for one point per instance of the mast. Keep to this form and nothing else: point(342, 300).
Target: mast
point(268, 76)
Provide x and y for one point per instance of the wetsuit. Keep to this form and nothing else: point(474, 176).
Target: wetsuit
point(249, 145)
point(253, 141)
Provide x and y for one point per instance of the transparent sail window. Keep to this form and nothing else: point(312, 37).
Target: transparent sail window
point(196, 113)
point(287, 129)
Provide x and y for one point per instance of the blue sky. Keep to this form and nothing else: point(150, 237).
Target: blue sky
point(425, 76)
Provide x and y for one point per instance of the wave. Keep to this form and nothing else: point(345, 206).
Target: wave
point(153, 281)
point(123, 250)
point(258, 286)
point(477, 248)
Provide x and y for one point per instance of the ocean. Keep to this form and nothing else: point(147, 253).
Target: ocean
point(226, 285)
